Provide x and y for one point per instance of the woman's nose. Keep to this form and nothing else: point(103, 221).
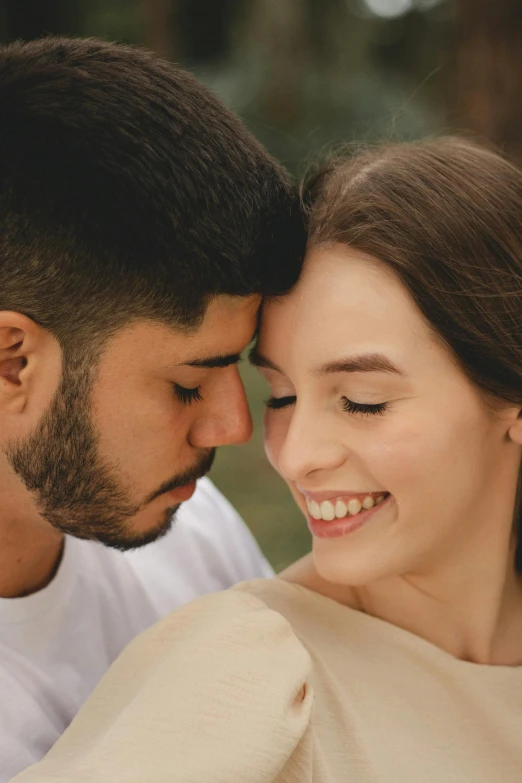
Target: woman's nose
point(310, 444)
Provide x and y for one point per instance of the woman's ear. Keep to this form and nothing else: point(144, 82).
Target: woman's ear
point(515, 428)
point(30, 363)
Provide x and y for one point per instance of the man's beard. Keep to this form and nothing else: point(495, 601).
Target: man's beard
point(76, 490)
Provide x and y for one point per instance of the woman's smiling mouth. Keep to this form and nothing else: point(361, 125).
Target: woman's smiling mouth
point(331, 515)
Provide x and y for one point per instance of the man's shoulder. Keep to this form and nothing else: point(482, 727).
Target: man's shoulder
point(208, 548)
point(208, 504)
point(209, 516)
point(215, 521)
point(56, 644)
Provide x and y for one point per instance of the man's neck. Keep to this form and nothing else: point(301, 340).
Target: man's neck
point(29, 556)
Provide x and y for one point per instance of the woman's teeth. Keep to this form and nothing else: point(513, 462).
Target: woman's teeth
point(329, 511)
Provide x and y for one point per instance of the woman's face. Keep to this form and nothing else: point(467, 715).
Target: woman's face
point(387, 448)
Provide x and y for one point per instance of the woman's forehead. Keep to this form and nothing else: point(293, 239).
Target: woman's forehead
point(344, 299)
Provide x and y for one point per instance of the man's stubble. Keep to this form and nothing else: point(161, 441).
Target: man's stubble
point(76, 490)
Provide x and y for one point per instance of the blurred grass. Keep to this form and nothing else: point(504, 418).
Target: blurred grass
point(245, 476)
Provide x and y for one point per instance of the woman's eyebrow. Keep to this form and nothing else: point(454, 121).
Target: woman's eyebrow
point(368, 362)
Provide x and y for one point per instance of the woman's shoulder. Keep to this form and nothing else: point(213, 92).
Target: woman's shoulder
point(302, 596)
point(219, 689)
point(277, 594)
point(240, 625)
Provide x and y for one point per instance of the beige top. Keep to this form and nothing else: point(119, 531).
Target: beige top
point(270, 682)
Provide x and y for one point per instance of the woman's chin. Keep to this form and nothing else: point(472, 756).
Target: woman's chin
point(338, 569)
point(352, 565)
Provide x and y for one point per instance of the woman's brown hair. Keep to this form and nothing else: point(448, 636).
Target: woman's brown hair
point(446, 216)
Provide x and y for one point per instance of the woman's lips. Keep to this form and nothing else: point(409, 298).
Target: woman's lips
point(335, 528)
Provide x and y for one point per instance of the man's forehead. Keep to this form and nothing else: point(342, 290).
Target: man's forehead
point(219, 351)
point(160, 345)
point(232, 306)
point(227, 316)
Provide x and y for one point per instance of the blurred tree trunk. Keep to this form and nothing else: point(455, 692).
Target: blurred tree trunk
point(487, 90)
point(29, 19)
point(159, 26)
point(276, 37)
point(190, 31)
point(204, 29)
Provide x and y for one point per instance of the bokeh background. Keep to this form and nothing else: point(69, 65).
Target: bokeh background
point(306, 76)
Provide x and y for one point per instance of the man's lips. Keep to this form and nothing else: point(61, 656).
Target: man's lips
point(183, 493)
point(182, 487)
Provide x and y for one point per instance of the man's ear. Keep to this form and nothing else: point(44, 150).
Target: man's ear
point(30, 364)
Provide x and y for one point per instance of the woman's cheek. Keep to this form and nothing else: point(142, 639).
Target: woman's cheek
point(276, 425)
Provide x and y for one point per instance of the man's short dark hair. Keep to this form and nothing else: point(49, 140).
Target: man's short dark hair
point(127, 190)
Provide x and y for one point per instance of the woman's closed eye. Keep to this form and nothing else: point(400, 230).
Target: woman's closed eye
point(361, 408)
point(276, 403)
point(364, 408)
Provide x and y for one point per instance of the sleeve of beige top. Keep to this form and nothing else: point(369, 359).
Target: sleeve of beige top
point(217, 692)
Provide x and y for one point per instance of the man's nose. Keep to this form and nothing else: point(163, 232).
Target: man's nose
point(311, 444)
point(225, 418)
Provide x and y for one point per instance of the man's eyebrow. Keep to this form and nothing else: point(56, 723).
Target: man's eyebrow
point(369, 362)
point(210, 362)
point(258, 360)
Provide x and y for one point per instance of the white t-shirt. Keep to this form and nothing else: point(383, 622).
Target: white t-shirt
point(56, 644)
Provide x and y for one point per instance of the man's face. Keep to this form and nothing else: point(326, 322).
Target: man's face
point(113, 457)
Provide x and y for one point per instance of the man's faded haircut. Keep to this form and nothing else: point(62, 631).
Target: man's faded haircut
point(128, 191)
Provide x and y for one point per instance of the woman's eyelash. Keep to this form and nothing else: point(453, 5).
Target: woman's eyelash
point(276, 403)
point(365, 408)
point(187, 396)
point(279, 402)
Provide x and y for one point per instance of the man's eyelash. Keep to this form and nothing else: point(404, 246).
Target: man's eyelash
point(187, 396)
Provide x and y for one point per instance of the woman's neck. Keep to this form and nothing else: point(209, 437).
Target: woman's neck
point(473, 613)
point(478, 620)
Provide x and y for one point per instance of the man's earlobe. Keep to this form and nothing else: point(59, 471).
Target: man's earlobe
point(22, 345)
point(13, 361)
point(30, 371)
point(10, 369)
point(12, 358)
